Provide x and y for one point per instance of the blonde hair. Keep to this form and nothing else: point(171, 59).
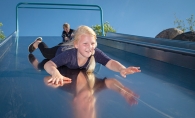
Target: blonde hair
point(66, 25)
point(91, 80)
point(83, 30)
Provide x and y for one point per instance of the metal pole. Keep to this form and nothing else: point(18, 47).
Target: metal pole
point(56, 4)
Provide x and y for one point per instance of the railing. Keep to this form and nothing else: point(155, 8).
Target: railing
point(178, 50)
point(6, 39)
point(167, 42)
point(60, 6)
point(6, 44)
point(184, 57)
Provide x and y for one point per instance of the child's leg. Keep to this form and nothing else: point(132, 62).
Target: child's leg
point(42, 63)
point(48, 53)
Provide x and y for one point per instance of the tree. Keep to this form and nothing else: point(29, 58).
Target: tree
point(2, 36)
point(107, 28)
point(181, 24)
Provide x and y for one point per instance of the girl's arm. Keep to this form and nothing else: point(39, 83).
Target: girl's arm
point(56, 78)
point(118, 67)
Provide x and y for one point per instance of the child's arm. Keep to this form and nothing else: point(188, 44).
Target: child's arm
point(118, 67)
point(57, 78)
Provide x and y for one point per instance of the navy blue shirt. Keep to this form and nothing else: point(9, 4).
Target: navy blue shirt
point(64, 34)
point(69, 58)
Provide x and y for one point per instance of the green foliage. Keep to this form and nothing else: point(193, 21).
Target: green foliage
point(107, 28)
point(181, 24)
point(2, 36)
point(191, 23)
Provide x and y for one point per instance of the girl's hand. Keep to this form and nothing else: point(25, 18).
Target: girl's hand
point(58, 79)
point(129, 70)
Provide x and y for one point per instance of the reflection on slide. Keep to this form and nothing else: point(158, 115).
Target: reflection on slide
point(84, 86)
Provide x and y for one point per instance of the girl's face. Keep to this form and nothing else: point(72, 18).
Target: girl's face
point(86, 45)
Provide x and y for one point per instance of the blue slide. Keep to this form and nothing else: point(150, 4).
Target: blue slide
point(164, 89)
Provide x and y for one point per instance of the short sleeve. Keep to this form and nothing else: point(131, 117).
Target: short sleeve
point(101, 57)
point(66, 58)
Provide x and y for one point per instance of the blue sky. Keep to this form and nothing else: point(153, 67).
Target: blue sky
point(136, 17)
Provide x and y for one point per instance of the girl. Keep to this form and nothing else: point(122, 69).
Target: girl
point(79, 53)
